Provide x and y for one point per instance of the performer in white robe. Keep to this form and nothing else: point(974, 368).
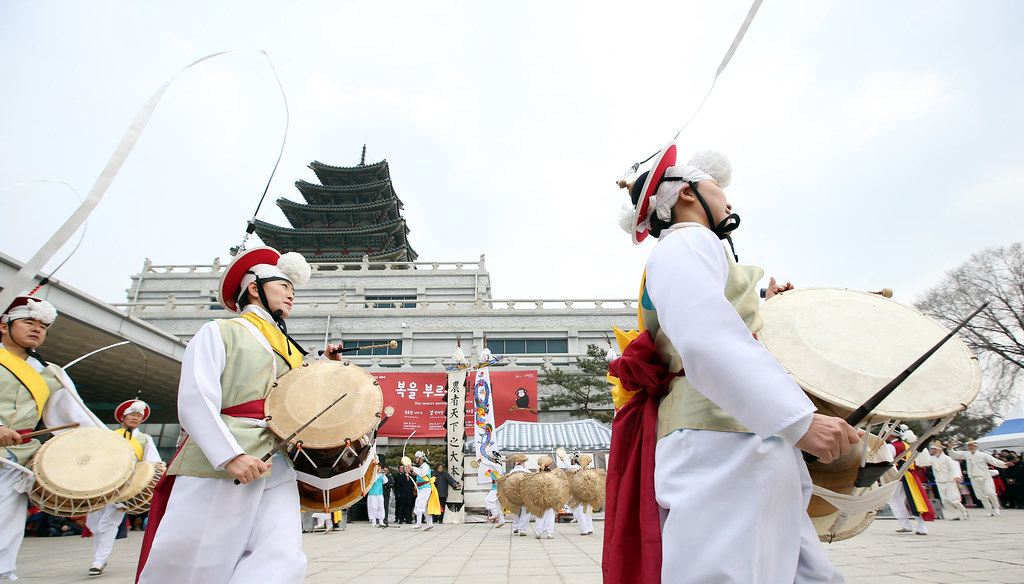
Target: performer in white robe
point(422, 471)
point(105, 523)
point(493, 471)
point(212, 529)
point(948, 477)
point(582, 513)
point(520, 520)
point(729, 475)
point(30, 390)
point(981, 479)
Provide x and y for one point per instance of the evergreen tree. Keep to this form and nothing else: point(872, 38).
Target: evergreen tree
point(586, 392)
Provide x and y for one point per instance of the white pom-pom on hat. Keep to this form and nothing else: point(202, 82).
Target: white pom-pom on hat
point(295, 268)
point(714, 163)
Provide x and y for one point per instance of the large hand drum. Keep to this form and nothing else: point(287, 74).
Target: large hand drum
point(335, 459)
point(81, 471)
point(138, 494)
point(841, 347)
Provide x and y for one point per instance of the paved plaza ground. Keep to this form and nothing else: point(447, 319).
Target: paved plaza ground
point(982, 550)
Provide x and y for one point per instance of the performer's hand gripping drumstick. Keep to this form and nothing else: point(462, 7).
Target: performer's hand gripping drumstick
point(334, 351)
point(10, 437)
point(250, 468)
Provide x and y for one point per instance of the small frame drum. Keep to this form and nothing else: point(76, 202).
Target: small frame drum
point(139, 492)
point(842, 346)
point(335, 456)
point(81, 471)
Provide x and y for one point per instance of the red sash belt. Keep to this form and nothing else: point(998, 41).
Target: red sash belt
point(162, 490)
point(632, 532)
point(250, 409)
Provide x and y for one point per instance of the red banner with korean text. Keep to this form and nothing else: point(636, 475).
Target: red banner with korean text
point(420, 404)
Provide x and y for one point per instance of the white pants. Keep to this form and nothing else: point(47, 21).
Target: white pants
point(734, 509)
point(521, 520)
point(104, 525)
point(13, 506)
point(584, 518)
point(375, 509)
point(985, 491)
point(949, 494)
point(494, 507)
point(545, 523)
point(901, 511)
point(420, 507)
point(216, 531)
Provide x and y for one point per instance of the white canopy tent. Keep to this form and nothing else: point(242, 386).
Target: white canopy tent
point(1009, 434)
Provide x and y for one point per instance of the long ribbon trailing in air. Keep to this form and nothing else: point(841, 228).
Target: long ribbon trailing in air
point(721, 67)
point(99, 188)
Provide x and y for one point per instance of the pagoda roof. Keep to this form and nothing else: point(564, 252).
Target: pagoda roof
point(303, 216)
point(347, 194)
point(384, 228)
point(350, 175)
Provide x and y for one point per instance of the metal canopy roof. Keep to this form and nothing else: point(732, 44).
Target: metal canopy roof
point(585, 435)
point(151, 363)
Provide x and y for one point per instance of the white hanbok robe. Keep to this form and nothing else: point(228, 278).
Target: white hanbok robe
point(63, 406)
point(733, 505)
point(214, 530)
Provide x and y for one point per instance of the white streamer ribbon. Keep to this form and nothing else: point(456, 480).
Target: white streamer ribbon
point(71, 225)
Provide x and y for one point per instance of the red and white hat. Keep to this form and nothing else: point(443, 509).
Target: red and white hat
point(648, 199)
point(132, 406)
point(25, 306)
point(268, 264)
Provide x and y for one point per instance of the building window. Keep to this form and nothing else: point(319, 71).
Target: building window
point(377, 351)
point(391, 301)
point(528, 346)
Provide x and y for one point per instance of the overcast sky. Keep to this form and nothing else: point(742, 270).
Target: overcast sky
point(874, 143)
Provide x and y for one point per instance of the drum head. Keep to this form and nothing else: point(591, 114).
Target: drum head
point(302, 393)
point(84, 463)
point(842, 346)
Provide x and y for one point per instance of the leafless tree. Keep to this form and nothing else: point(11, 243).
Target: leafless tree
point(996, 335)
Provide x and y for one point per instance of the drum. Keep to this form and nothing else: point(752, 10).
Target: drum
point(334, 456)
point(842, 346)
point(139, 492)
point(81, 471)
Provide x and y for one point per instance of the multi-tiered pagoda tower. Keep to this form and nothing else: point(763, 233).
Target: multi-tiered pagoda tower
point(354, 213)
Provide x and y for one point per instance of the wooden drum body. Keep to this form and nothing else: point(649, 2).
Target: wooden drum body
point(138, 493)
point(81, 471)
point(334, 457)
point(842, 346)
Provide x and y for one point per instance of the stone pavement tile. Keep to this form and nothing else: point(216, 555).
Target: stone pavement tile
point(475, 579)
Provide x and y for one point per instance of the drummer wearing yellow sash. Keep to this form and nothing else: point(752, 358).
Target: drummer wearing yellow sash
point(30, 390)
point(711, 416)
point(105, 523)
point(202, 527)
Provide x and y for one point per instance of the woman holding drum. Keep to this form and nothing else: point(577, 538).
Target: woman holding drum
point(202, 526)
point(724, 443)
point(30, 390)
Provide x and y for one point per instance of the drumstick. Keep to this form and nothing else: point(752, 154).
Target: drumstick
point(288, 440)
point(47, 430)
point(858, 415)
point(390, 345)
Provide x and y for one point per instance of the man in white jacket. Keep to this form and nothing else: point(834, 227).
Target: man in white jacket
point(948, 477)
point(981, 479)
